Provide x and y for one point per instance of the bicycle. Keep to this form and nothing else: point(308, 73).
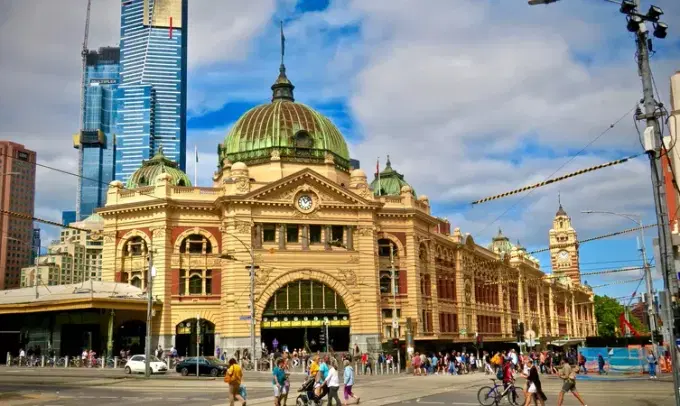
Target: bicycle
point(488, 396)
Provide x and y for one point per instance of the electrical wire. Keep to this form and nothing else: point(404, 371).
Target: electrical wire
point(570, 244)
point(558, 169)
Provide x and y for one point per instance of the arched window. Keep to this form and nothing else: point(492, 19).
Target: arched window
point(135, 246)
point(142, 181)
point(385, 246)
point(196, 244)
point(181, 183)
point(195, 284)
point(425, 278)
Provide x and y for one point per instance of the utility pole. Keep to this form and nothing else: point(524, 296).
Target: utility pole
point(149, 309)
point(393, 277)
point(652, 142)
point(198, 343)
point(252, 307)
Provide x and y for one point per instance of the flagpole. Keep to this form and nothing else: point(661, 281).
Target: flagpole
point(195, 165)
point(377, 167)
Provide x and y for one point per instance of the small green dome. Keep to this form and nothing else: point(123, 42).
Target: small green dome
point(293, 131)
point(500, 244)
point(146, 175)
point(390, 182)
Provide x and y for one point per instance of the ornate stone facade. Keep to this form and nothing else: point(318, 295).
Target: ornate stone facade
point(326, 248)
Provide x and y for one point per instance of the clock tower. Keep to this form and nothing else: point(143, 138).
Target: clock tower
point(564, 248)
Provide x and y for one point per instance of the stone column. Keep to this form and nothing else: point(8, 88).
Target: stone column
point(257, 237)
point(574, 319)
point(305, 237)
point(282, 236)
point(521, 286)
point(553, 315)
point(327, 238)
point(350, 237)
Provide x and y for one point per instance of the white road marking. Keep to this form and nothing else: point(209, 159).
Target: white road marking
point(108, 397)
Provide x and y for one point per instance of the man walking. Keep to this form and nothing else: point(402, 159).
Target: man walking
point(568, 376)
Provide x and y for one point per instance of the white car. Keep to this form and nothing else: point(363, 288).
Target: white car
point(137, 364)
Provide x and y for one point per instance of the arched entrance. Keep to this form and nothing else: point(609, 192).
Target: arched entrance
point(306, 314)
point(185, 338)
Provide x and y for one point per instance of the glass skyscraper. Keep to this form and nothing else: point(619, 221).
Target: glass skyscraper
point(151, 98)
point(97, 138)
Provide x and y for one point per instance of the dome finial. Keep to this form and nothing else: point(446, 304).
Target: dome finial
point(282, 89)
point(388, 164)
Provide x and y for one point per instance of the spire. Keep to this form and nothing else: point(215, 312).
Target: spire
point(560, 211)
point(282, 89)
point(388, 164)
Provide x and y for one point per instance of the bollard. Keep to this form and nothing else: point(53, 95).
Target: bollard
point(42, 361)
point(381, 368)
point(54, 361)
point(115, 362)
point(66, 361)
point(9, 359)
point(398, 368)
point(103, 361)
point(374, 369)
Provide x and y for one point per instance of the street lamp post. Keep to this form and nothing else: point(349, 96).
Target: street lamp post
point(651, 312)
point(252, 293)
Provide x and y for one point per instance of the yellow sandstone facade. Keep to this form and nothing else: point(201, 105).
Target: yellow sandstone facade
point(324, 242)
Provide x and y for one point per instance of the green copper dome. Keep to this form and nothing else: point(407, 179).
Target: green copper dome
point(146, 175)
point(390, 182)
point(292, 131)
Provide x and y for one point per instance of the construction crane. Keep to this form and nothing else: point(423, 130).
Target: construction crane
point(83, 54)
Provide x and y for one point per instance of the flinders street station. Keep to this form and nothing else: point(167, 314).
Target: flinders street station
point(337, 256)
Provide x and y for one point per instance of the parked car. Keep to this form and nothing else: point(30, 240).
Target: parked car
point(136, 364)
point(206, 366)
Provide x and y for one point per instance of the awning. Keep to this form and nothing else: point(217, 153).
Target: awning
point(563, 343)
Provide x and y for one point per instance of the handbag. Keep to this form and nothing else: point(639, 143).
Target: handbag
point(532, 388)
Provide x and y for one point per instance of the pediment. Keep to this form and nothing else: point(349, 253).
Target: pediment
point(327, 192)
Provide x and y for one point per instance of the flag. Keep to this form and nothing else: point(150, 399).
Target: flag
point(196, 152)
point(283, 42)
point(170, 29)
point(377, 170)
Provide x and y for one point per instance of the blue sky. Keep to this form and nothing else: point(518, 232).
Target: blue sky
point(470, 98)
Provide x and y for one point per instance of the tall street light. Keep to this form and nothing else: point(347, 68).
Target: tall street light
point(252, 293)
point(637, 219)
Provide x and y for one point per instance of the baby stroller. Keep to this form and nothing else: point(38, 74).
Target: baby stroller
point(307, 396)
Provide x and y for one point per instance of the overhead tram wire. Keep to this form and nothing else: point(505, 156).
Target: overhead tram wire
point(557, 179)
point(577, 154)
point(599, 237)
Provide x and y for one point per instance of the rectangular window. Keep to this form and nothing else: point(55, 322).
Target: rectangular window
point(195, 284)
point(292, 232)
point(269, 232)
point(208, 282)
point(337, 234)
point(182, 282)
point(314, 234)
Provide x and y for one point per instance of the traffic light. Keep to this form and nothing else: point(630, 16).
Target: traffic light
point(395, 342)
point(520, 332)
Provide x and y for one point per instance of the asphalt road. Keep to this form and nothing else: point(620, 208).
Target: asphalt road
point(594, 393)
point(47, 395)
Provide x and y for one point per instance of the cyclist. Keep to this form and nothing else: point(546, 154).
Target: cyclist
point(508, 376)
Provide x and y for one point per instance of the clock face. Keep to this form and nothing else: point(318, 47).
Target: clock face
point(563, 255)
point(305, 202)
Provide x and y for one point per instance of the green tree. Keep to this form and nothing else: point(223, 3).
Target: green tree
point(607, 312)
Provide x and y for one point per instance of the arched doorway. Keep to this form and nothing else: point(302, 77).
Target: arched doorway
point(185, 338)
point(306, 314)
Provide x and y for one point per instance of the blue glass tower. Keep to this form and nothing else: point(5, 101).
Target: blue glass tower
point(151, 98)
point(97, 138)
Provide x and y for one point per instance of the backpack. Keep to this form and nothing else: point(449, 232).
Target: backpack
point(499, 374)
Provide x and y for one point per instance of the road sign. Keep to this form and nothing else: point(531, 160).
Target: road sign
point(395, 324)
point(244, 318)
point(529, 335)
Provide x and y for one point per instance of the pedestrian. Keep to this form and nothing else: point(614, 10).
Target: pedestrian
point(651, 360)
point(582, 364)
point(279, 382)
point(218, 352)
point(348, 376)
point(234, 378)
point(600, 364)
point(568, 376)
point(534, 389)
point(333, 383)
